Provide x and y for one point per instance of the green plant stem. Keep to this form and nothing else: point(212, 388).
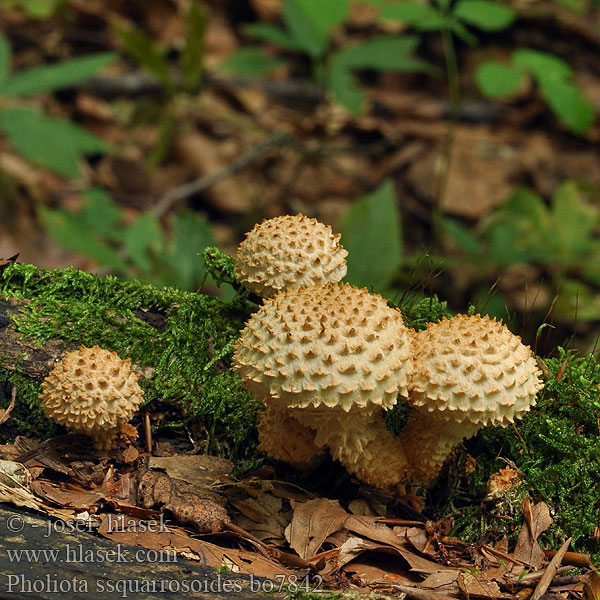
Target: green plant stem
point(455, 102)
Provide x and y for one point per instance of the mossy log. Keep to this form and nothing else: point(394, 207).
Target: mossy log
point(180, 342)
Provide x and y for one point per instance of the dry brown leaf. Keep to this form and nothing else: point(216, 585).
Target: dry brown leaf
point(312, 522)
point(68, 497)
point(197, 469)
point(477, 585)
point(537, 520)
point(371, 528)
point(263, 517)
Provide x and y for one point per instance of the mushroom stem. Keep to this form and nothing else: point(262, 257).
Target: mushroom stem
point(428, 442)
point(284, 438)
point(362, 442)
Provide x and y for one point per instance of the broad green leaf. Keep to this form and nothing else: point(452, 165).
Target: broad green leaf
point(41, 9)
point(191, 59)
point(56, 76)
point(412, 13)
point(311, 23)
point(574, 224)
point(345, 88)
point(100, 214)
point(520, 230)
point(484, 14)
point(392, 53)
point(141, 47)
point(567, 102)
point(142, 240)
point(273, 35)
point(5, 61)
point(51, 143)
point(461, 236)
point(191, 234)
point(371, 234)
point(251, 61)
point(71, 232)
point(541, 64)
point(495, 79)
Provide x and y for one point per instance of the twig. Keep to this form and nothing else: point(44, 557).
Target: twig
point(550, 572)
point(5, 414)
point(193, 187)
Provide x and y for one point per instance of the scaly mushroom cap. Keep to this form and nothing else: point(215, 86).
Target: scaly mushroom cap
point(323, 347)
point(289, 251)
point(473, 370)
point(92, 391)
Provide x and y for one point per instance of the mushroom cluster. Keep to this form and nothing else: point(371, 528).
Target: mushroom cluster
point(330, 357)
point(326, 358)
point(92, 391)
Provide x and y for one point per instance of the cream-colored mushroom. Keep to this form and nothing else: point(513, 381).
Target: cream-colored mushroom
point(469, 372)
point(289, 251)
point(332, 357)
point(92, 391)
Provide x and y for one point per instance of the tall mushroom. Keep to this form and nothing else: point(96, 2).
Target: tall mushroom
point(332, 357)
point(289, 251)
point(470, 372)
point(92, 391)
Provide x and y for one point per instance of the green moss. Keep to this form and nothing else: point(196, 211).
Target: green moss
point(189, 346)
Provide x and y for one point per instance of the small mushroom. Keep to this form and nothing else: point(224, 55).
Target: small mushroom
point(332, 357)
point(469, 372)
point(289, 251)
point(92, 391)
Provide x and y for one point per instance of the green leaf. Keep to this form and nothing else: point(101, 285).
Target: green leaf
point(484, 14)
point(344, 87)
point(311, 23)
point(372, 236)
point(461, 236)
point(392, 53)
point(411, 13)
point(5, 61)
point(100, 214)
point(273, 35)
point(191, 234)
point(70, 231)
point(56, 76)
point(567, 102)
point(51, 143)
point(574, 224)
point(142, 48)
point(251, 61)
point(40, 9)
point(142, 240)
point(520, 230)
point(495, 79)
point(541, 64)
point(191, 59)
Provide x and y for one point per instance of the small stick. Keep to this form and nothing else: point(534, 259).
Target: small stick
point(148, 433)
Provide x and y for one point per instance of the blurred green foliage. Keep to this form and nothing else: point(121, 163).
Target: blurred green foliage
point(554, 79)
point(561, 239)
point(56, 144)
point(308, 29)
point(138, 249)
